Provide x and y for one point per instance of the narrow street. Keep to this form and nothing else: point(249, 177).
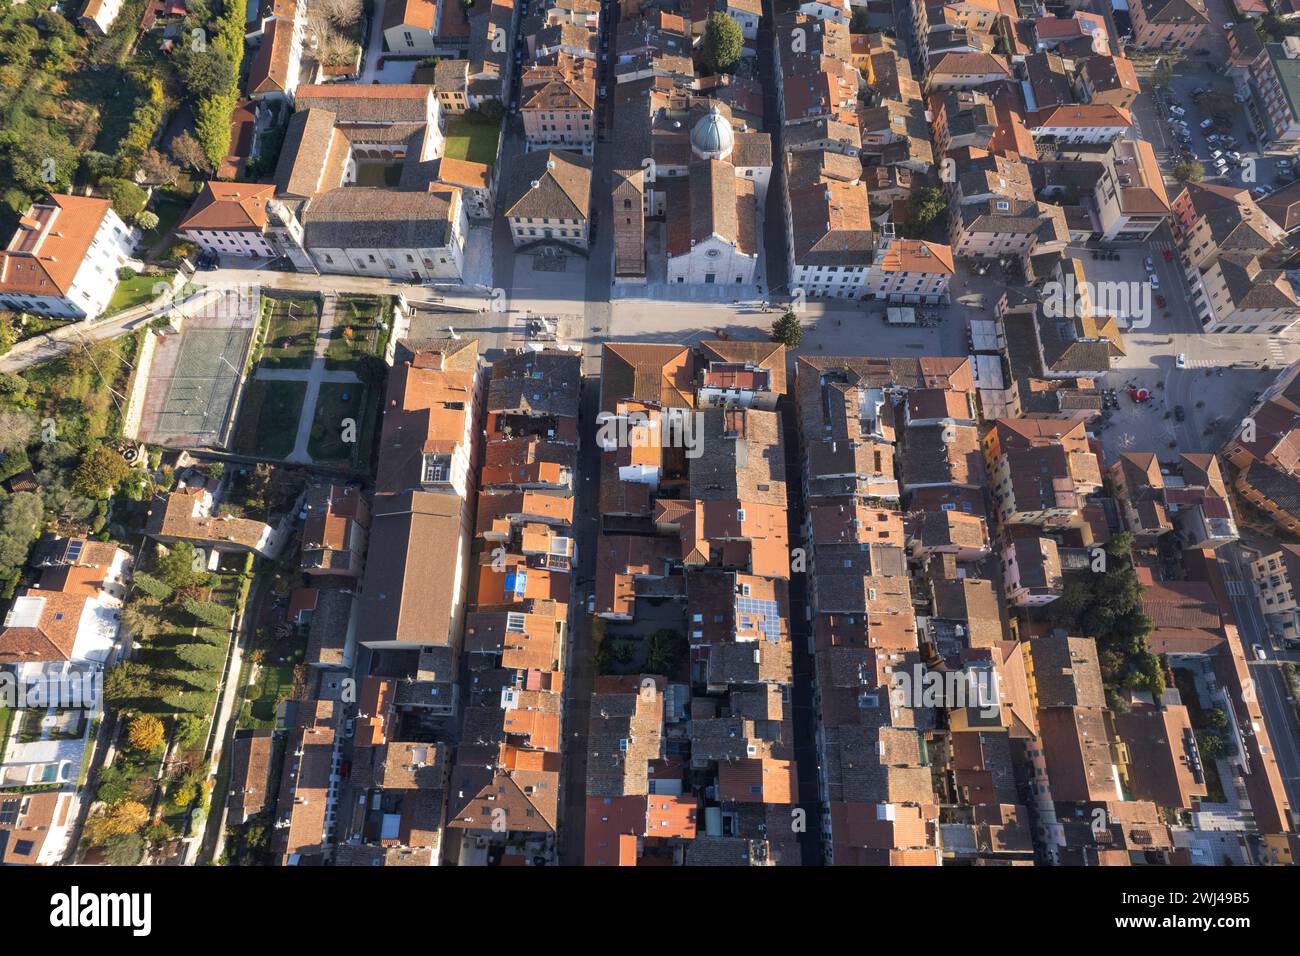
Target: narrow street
point(802, 697)
point(579, 670)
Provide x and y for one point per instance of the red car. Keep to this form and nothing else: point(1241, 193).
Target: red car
point(1169, 255)
point(1160, 301)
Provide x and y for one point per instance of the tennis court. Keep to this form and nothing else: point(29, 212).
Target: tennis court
point(195, 377)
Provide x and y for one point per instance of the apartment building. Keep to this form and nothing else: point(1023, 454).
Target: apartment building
point(910, 271)
point(558, 103)
point(63, 258)
point(1168, 24)
point(231, 219)
point(549, 199)
point(1040, 471)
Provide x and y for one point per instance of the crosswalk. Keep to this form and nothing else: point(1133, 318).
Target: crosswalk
point(1237, 588)
point(1277, 351)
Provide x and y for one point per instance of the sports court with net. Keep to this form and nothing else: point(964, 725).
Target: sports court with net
point(195, 376)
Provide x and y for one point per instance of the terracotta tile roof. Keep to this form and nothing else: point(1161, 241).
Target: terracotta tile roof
point(918, 256)
point(563, 188)
point(178, 514)
point(426, 410)
point(408, 597)
point(966, 64)
point(419, 14)
point(41, 626)
point(831, 225)
point(269, 71)
point(250, 773)
point(655, 374)
point(229, 207)
point(35, 817)
point(757, 781)
point(460, 172)
point(50, 244)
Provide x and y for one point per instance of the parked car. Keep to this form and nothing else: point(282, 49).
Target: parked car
point(1150, 264)
point(591, 603)
point(1259, 192)
point(1178, 111)
point(1154, 280)
point(1216, 153)
point(1206, 123)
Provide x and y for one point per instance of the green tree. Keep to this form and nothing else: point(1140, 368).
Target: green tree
point(1189, 171)
point(146, 220)
point(191, 732)
point(787, 330)
point(206, 612)
point(127, 682)
point(1211, 745)
point(722, 44)
point(923, 207)
point(201, 656)
point(128, 198)
point(205, 73)
point(124, 849)
point(11, 385)
point(101, 470)
point(177, 568)
point(152, 586)
point(1152, 674)
point(20, 516)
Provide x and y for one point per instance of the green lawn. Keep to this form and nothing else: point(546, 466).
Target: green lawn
point(134, 291)
point(169, 212)
point(339, 401)
point(6, 716)
point(291, 335)
point(268, 418)
point(358, 313)
point(274, 683)
point(476, 142)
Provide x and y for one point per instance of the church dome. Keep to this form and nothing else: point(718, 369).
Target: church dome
point(712, 137)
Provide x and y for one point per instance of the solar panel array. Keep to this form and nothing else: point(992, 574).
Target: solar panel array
point(768, 620)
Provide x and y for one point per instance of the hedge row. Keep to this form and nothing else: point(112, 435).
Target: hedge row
point(212, 114)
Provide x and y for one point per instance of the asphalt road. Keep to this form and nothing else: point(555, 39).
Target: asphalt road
point(579, 668)
point(1270, 683)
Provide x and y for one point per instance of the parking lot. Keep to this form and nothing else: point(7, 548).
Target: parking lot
point(1197, 118)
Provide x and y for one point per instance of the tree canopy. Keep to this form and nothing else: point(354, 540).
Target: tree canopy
point(722, 44)
point(787, 330)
